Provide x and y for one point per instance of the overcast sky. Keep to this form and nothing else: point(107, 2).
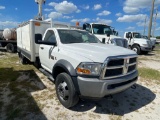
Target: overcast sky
point(124, 15)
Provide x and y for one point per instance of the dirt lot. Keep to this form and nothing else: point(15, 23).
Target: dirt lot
point(27, 94)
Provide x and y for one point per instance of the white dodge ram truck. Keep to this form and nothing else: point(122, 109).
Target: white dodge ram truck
point(78, 63)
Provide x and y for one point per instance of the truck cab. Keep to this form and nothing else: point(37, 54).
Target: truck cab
point(105, 34)
point(137, 43)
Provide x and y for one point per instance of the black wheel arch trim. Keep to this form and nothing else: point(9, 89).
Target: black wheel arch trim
point(67, 66)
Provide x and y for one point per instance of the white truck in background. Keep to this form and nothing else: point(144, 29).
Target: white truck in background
point(8, 40)
point(78, 63)
point(106, 34)
point(137, 43)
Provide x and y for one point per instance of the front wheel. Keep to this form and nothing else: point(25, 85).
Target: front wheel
point(137, 49)
point(65, 90)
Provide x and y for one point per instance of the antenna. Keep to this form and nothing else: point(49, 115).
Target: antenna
point(40, 3)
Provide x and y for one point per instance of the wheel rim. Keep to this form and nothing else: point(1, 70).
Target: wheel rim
point(63, 91)
point(135, 49)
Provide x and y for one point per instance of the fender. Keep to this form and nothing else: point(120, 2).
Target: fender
point(67, 66)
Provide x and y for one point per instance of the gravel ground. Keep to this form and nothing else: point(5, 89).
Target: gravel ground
point(133, 104)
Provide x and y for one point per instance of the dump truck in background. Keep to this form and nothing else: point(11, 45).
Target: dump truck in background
point(8, 40)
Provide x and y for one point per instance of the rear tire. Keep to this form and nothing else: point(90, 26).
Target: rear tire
point(137, 49)
point(10, 48)
point(65, 90)
point(23, 59)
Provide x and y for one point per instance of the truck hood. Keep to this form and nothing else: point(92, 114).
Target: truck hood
point(141, 39)
point(95, 52)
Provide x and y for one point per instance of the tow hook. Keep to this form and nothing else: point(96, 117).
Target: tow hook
point(133, 87)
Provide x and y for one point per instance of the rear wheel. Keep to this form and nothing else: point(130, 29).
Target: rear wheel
point(10, 48)
point(137, 49)
point(23, 59)
point(65, 90)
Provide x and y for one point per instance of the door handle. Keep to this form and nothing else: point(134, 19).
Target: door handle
point(42, 48)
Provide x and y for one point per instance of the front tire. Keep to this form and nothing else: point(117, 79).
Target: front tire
point(137, 49)
point(65, 90)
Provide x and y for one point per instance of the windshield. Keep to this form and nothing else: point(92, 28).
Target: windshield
point(102, 29)
point(137, 35)
point(76, 36)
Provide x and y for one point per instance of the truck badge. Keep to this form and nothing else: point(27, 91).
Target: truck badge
point(126, 64)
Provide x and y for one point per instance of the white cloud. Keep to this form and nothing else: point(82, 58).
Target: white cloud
point(16, 8)
point(78, 11)
point(47, 10)
point(142, 24)
point(103, 21)
point(130, 9)
point(86, 7)
point(158, 29)
point(9, 24)
point(133, 6)
point(131, 18)
point(130, 28)
point(81, 20)
point(119, 14)
point(2, 7)
point(67, 17)
point(55, 15)
point(53, 4)
point(104, 13)
point(65, 7)
point(97, 7)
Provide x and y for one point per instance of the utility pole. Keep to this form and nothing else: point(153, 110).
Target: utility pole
point(150, 22)
point(145, 25)
point(154, 26)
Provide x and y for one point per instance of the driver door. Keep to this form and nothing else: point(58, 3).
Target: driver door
point(46, 52)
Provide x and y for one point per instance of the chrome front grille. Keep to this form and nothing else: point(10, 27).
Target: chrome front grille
point(119, 66)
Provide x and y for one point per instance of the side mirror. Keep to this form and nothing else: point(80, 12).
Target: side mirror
point(103, 40)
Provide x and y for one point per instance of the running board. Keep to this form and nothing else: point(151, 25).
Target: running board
point(49, 76)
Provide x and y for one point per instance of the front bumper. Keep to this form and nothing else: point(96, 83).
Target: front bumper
point(95, 88)
point(146, 49)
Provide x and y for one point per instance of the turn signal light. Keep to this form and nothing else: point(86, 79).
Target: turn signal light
point(84, 71)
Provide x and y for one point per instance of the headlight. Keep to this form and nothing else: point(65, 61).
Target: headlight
point(89, 69)
point(145, 45)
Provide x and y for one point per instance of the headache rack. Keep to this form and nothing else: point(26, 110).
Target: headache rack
point(115, 67)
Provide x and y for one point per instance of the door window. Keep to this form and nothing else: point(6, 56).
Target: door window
point(50, 36)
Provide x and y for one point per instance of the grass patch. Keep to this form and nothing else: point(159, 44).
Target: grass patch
point(148, 73)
